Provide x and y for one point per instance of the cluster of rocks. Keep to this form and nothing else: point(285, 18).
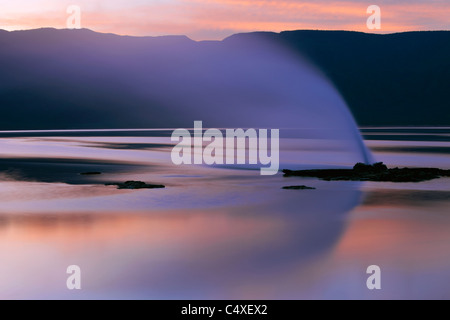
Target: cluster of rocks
point(360, 172)
point(376, 172)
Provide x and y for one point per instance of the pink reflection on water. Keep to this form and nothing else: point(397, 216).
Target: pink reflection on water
point(218, 233)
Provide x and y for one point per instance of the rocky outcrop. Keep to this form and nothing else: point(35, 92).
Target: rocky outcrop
point(299, 188)
point(136, 185)
point(375, 172)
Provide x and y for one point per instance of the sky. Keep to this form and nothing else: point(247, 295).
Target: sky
point(217, 19)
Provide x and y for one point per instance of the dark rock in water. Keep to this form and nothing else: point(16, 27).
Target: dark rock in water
point(299, 188)
point(90, 173)
point(374, 168)
point(375, 172)
point(136, 185)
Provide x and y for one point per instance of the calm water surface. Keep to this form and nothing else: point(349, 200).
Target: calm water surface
point(216, 233)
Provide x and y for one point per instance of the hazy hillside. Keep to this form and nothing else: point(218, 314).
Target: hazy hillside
point(386, 79)
point(81, 79)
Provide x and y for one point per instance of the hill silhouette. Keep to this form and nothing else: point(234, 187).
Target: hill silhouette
point(67, 79)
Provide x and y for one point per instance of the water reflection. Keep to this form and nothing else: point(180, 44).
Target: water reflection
point(196, 253)
point(213, 233)
point(262, 252)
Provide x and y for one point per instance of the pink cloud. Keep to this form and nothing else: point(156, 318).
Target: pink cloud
point(202, 19)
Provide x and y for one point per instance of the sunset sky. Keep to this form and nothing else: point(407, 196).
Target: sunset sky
point(216, 19)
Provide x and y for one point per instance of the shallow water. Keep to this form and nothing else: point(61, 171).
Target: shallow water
point(217, 233)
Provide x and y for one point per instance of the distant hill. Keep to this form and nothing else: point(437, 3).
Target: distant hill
point(57, 79)
point(394, 79)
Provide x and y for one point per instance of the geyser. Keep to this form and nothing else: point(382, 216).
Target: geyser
point(242, 83)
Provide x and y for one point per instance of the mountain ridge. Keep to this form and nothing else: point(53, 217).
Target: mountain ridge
point(386, 79)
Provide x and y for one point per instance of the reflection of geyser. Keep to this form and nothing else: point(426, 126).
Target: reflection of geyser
point(257, 84)
point(305, 227)
point(315, 221)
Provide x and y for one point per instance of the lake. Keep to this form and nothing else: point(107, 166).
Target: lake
point(217, 232)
